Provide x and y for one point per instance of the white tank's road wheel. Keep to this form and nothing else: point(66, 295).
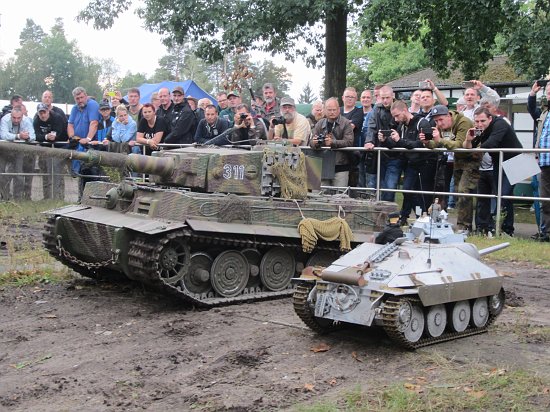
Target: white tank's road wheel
point(410, 321)
point(480, 312)
point(496, 303)
point(436, 320)
point(460, 317)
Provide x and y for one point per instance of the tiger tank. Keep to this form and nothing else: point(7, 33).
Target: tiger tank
point(420, 292)
point(212, 225)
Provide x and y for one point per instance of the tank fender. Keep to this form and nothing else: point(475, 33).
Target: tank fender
point(113, 218)
point(453, 292)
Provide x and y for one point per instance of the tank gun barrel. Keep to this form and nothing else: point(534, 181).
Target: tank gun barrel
point(494, 248)
point(162, 166)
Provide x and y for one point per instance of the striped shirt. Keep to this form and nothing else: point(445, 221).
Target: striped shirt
point(544, 158)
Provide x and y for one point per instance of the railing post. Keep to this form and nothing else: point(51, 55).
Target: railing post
point(378, 157)
point(499, 193)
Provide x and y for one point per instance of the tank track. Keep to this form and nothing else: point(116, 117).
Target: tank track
point(301, 307)
point(143, 258)
point(144, 255)
point(389, 316)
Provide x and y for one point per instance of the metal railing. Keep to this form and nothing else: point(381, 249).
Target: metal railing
point(377, 190)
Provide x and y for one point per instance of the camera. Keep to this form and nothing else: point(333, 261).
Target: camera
point(320, 140)
point(278, 120)
point(424, 86)
point(243, 116)
point(475, 132)
point(428, 132)
point(542, 82)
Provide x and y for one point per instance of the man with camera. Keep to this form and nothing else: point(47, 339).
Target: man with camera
point(450, 132)
point(419, 167)
point(494, 132)
point(542, 141)
point(229, 112)
point(291, 126)
point(247, 129)
point(334, 131)
point(381, 123)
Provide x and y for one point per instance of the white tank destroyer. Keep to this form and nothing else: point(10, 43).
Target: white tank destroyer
point(427, 287)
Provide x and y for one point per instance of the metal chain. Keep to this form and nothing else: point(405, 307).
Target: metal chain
point(89, 265)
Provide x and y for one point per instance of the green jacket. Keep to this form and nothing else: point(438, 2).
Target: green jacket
point(454, 137)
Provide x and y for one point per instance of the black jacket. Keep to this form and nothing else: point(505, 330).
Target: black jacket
point(54, 123)
point(500, 135)
point(183, 124)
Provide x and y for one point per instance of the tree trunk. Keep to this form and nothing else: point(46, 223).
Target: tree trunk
point(336, 53)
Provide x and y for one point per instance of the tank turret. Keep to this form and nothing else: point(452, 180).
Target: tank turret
point(420, 293)
point(268, 170)
point(213, 226)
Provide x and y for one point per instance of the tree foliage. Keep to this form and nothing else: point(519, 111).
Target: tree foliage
point(307, 96)
point(48, 61)
point(526, 40)
point(131, 80)
point(291, 27)
point(455, 34)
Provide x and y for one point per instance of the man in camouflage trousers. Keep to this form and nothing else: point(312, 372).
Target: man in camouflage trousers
point(450, 133)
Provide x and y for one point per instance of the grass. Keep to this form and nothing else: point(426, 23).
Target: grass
point(25, 261)
point(32, 277)
point(520, 250)
point(447, 386)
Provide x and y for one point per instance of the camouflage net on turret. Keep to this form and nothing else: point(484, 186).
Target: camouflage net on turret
point(334, 228)
point(293, 181)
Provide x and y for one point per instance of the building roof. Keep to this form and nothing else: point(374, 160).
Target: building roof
point(498, 73)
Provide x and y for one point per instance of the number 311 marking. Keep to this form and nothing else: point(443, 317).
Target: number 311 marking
point(233, 172)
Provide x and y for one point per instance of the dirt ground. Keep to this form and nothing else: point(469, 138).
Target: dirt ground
point(83, 345)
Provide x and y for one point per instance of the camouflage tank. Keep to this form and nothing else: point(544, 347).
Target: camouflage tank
point(216, 226)
point(420, 293)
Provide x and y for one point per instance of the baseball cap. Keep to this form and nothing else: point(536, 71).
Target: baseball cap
point(233, 93)
point(439, 110)
point(287, 101)
point(42, 107)
point(178, 89)
point(104, 105)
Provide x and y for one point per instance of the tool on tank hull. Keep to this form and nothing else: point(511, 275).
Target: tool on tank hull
point(216, 225)
point(420, 293)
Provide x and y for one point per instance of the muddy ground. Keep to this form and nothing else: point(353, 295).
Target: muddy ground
point(84, 345)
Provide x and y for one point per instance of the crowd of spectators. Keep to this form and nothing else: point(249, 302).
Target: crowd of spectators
point(171, 118)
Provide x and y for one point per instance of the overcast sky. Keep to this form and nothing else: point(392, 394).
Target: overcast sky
point(110, 43)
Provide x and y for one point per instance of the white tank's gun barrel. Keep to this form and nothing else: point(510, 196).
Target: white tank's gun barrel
point(494, 248)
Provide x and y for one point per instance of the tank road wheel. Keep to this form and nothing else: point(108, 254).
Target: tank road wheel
point(254, 258)
point(496, 303)
point(460, 317)
point(322, 258)
point(436, 320)
point(277, 268)
point(410, 321)
point(229, 273)
point(197, 278)
point(480, 312)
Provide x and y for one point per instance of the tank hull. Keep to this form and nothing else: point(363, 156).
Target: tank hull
point(419, 293)
point(206, 248)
